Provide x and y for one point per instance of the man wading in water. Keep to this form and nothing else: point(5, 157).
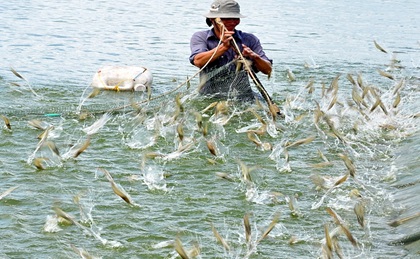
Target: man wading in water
point(220, 77)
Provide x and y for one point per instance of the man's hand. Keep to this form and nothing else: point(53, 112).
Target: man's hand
point(247, 52)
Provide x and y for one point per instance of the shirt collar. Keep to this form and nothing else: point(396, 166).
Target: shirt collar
point(237, 35)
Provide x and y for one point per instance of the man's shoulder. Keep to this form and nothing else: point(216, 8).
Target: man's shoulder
point(202, 34)
point(246, 35)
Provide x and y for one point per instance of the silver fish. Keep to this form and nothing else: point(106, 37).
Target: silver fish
point(6, 122)
point(219, 238)
point(379, 47)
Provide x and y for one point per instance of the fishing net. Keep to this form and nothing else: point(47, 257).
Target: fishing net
point(226, 82)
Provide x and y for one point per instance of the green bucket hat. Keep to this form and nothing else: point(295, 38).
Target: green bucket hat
point(223, 9)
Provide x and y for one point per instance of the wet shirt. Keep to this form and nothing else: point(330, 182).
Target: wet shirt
point(220, 77)
point(202, 41)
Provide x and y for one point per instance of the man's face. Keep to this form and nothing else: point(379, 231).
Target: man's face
point(230, 23)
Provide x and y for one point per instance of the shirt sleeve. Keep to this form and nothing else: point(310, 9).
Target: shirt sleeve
point(255, 45)
point(198, 44)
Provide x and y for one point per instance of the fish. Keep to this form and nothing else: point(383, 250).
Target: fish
point(351, 79)
point(180, 131)
point(359, 210)
point(290, 75)
point(321, 155)
point(219, 238)
point(117, 190)
point(399, 86)
point(38, 162)
point(385, 74)
point(94, 93)
point(398, 222)
point(212, 147)
point(397, 100)
point(83, 147)
point(310, 86)
point(81, 252)
point(210, 106)
point(339, 221)
point(205, 129)
point(334, 84)
point(328, 242)
point(247, 228)
point(341, 180)
point(349, 236)
point(245, 170)
point(337, 247)
point(6, 122)
point(333, 101)
point(360, 81)
point(333, 129)
point(199, 119)
point(379, 47)
point(224, 176)
point(179, 248)
point(221, 108)
point(149, 91)
point(358, 98)
point(8, 191)
point(21, 77)
point(69, 218)
point(300, 142)
point(53, 147)
point(253, 137)
point(292, 203)
point(349, 164)
point(38, 124)
point(270, 227)
point(179, 102)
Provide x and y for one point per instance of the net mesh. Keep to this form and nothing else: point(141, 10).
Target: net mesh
point(226, 82)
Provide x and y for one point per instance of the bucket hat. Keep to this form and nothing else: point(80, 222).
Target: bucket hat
point(224, 9)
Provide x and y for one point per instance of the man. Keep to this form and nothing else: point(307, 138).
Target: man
point(220, 77)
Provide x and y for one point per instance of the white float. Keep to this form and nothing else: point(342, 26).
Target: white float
point(122, 78)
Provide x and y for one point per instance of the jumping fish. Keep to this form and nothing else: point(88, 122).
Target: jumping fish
point(245, 170)
point(270, 227)
point(53, 147)
point(300, 142)
point(83, 147)
point(398, 222)
point(180, 131)
point(38, 162)
point(81, 252)
point(399, 86)
point(379, 47)
point(38, 124)
point(117, 190)
point(211, 147)
point(247, 228)
point(328, 241)
point(219, 238)
point(385, 74)
point(7, 192)
point(290, 75)
point(21, 77)
point(349, 164)
point(397, 100)
point(359, 210)
point(179, 248)
point(339, 221)
point(6, 122)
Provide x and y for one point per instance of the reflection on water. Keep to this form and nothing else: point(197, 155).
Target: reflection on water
point(336, 149)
